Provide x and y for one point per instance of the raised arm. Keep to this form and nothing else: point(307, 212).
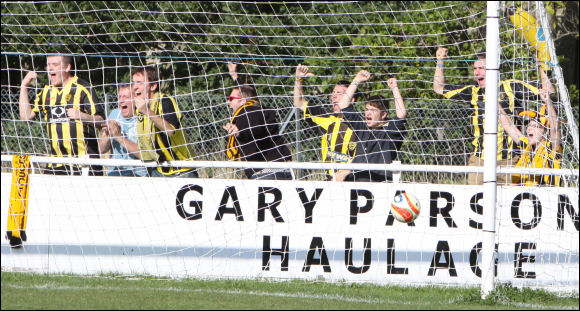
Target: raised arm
point(553, 123)
point(546, 83)
point(360, 77)
point(301, 73)
point(232, 69)
point(344, 103)
point(401, 110)
point(26, 112)
point(508, 125)
point(439, 77)
point(233, 73)
point(142, 103)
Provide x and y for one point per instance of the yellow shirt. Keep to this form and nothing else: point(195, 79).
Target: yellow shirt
point(338, 144)
point(512, 93)
point(156, 145)
point(543, 157)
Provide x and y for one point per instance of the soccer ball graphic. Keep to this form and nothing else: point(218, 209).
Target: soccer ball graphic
point(405, 207)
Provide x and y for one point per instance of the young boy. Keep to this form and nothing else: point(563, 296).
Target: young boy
point(378, 139)
point(541, 146)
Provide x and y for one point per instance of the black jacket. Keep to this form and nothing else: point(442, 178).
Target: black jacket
point(258, 138)
point(375, 145)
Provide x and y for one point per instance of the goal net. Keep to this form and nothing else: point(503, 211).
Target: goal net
point(304, 227)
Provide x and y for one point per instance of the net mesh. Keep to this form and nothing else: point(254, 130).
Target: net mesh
point(191, 44)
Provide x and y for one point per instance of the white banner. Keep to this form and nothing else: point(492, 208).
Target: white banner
point(286, 229)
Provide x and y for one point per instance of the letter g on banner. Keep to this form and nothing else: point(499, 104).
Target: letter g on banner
point(197, 205)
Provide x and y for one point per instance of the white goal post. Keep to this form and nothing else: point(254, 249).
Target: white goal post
point(224, 224)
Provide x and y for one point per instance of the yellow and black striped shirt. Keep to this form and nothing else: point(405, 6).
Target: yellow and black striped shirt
point(543, 157)
point(338, 143)
point(156, 145)
point(513, 93)
point(68, 137)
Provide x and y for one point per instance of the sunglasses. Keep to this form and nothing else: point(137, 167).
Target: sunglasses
point(233, 97)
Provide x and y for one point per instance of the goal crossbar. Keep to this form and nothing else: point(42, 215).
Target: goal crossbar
point(394, 167)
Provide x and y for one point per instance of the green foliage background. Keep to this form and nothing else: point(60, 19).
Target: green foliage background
point(191, 42)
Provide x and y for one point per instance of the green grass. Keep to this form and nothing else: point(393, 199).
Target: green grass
point(34, 291)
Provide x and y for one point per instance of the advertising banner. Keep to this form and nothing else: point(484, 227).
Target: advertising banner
point(293, 229)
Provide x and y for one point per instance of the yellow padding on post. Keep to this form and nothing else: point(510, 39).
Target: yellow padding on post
point(18, 210)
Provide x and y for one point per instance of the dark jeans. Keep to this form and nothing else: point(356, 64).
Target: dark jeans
point(153, 172)
point(272, 174)
point(369, 176)
point(127, 173)
point(95, 170)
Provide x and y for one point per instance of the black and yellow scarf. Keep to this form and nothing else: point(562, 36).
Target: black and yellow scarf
point(232, 148)
point(146, 131)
